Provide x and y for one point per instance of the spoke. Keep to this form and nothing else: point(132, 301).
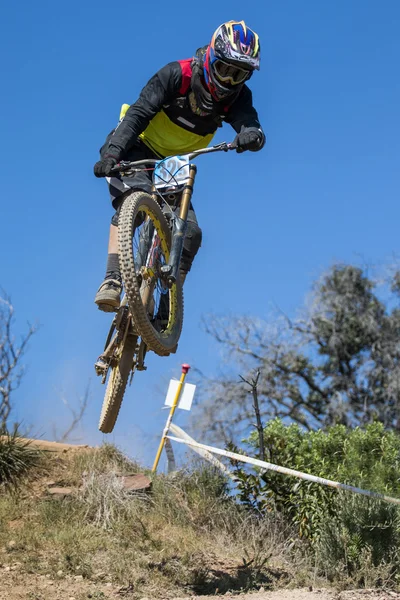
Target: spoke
point(147, 252)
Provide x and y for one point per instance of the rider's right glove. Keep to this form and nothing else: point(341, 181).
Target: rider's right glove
point(249, 138)
point(103, 167)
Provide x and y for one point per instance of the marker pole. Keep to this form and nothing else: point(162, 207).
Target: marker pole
point(185, 369)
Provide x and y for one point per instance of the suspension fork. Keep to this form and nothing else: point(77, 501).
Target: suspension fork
point(179, 230)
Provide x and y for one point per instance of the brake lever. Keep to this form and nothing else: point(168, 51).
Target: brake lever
point(234, 146)
point(119, 168)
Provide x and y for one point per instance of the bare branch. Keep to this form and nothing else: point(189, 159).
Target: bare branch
point(253, 383)
point(77, 415)
point(11, 352)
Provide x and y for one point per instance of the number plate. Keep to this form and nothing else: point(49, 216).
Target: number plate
point(171, 173)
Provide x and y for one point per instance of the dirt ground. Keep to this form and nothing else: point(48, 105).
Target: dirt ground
point(306, 594)
point(58, 447)
point(18, 586)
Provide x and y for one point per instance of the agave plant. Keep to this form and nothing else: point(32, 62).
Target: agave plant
point(17, 457)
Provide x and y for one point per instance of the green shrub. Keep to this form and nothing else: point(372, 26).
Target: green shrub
point(361, 542)
point(17, 458)
point(345, 531)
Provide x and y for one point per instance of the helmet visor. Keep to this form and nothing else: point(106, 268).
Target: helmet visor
point(227, 73)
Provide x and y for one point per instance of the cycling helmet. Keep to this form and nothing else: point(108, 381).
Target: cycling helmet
point(231, 58)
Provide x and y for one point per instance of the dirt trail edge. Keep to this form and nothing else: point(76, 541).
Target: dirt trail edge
point(18, 586)
point(306, 594)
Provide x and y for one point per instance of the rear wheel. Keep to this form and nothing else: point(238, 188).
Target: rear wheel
point(144, 246)
point(117, 379)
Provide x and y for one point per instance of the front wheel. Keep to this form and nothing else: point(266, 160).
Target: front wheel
point(144, 239)
point(116, 385)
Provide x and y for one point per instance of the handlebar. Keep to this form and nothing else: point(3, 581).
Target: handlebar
point(124, 166)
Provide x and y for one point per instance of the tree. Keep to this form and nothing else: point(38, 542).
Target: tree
point(11, 352)
point(338, 362)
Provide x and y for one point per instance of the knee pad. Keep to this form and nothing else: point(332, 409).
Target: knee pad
point(191, 245)
point(114, 218)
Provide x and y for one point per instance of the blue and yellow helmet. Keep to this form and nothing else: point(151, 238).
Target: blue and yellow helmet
point(231, 58)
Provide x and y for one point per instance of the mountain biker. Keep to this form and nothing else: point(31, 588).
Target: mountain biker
point(178, 111)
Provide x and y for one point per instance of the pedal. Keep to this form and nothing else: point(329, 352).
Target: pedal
point(101, 368)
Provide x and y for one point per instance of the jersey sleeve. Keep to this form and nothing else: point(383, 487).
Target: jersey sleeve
point(159, 90)
point(242, 112)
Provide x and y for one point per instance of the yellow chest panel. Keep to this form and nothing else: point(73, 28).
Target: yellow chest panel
point(166, 138)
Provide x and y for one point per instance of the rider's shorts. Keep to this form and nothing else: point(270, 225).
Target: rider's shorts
point(138, 181)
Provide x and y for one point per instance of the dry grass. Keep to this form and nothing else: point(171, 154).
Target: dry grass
point(186, 536)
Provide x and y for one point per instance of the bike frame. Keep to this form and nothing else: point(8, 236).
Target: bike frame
point(170, 271)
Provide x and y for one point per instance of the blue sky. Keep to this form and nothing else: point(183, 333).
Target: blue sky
point(325, 188)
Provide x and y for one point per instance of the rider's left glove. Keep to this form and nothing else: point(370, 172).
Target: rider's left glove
point(249, 138)
point(103, 167)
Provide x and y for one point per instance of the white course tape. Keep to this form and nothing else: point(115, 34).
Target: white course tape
point(286, 471)
point(204, 453)
point(169, 451)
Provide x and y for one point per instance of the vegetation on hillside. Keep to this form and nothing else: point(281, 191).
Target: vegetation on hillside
point(350, 537)
point(186, 536)
point(17, 459)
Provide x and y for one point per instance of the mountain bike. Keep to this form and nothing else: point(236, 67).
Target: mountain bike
point(151, 232)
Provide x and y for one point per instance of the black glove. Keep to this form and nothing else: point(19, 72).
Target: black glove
point(103, 167)
point(249, 138)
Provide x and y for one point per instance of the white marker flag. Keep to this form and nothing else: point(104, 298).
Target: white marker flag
point(186, 399)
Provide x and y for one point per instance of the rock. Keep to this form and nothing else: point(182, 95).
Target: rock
point(108, 584)
point(60, 492)
point(78, 577)
point(7, 569)
point(60, 573)
point(11, 545)
point(135, 483)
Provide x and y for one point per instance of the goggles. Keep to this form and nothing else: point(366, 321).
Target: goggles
point(228, 73)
